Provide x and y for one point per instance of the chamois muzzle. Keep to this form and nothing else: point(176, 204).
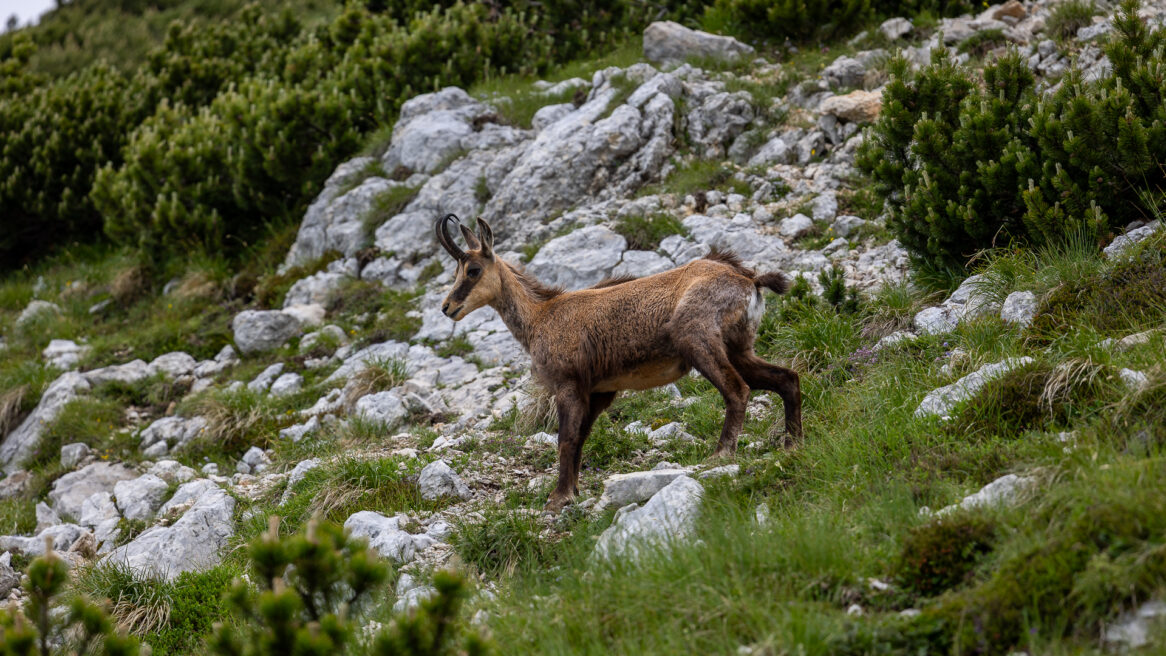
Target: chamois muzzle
point(444, 238)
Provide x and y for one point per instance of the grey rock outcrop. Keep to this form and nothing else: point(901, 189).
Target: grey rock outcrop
point(666, 41)
point(670, 515)
point(70, 491)
point(620, 490)
point(37, 309)
point(22, 442)
point(383, 407)
point(194, 542)
point(64, 354)
point(387, 537)
point(579, 259)
point(263, 330)
point(1019, 308)
point(141, 497)
point(941, 401)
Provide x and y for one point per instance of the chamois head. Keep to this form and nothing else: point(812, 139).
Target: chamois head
point(477, 281)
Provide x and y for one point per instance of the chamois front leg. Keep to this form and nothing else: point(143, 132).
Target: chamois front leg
point(599, 402)
point(573, 409)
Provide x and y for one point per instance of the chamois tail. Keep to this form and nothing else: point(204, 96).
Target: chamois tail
point(774, 281)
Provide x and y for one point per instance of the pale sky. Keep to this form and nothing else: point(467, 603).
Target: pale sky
point(27, 10)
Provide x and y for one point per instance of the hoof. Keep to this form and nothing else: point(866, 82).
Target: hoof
point(721, 455)
point(557, 503)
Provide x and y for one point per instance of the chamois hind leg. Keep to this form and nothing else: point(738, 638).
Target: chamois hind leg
point(600, 401)
point(573, 410)
point(759, 374)
point(703, 349)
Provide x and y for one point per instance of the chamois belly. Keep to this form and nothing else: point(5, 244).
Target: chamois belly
point(645, 376)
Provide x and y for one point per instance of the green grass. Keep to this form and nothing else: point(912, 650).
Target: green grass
point(645, 233)
point(698, 175)
point(1070, 16)
point(171, 616)
point(844, 507)
point(516, 101)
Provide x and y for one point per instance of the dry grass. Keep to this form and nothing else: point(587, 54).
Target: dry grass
point(1067, 380)
point(378, 376)
point(10, 408)
point(128, 285)
point(198, 285)
point(538, 413)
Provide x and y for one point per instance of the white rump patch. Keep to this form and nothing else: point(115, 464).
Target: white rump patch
point(755, 310)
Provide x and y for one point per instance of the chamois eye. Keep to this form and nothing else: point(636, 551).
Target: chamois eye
point(474, 271)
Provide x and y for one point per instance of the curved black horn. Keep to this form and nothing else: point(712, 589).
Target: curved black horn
point(443, 237)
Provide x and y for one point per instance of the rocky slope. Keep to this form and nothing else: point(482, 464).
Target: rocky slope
point(560, 195)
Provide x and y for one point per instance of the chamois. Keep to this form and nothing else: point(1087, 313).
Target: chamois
point(626, 334)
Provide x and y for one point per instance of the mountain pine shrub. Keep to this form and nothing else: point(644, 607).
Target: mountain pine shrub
point(310, 586)
point(34, 630)
point(966, 165)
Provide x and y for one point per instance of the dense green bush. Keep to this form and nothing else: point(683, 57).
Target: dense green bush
point(940, 555)
point(230, 127)
point(55, 136)
point(965, 167)
point(805, 20)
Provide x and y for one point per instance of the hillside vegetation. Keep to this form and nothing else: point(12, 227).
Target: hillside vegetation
point(235, 421)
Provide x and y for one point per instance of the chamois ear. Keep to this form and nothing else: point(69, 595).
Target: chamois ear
point(486, 235)
point(470, 237)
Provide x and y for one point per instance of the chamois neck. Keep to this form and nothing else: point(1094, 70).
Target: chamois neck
point(518, 299)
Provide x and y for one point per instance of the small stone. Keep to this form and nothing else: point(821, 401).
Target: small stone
point(941, 401)
point(438, 480)
point(795, 226)
point(73, 454)
point(1019, 308)
point(856, 107)
point(895, 28)
point(287, 384)
point(1135, 380)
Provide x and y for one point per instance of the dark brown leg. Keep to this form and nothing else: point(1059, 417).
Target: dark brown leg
point(600, 401)
point(572, 407)
point(704, 351)
point(762, 375)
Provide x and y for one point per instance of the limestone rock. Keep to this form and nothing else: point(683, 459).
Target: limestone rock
point(857, 106)
point(1019, 308)
point(895, 28)
point(287, 384)
point(579, 259)
point(669, 515)
point(263, 330)
point(64, 354)
point(1000, 491)
point(73, 454)
point(1122, 242)
point(941, 401)
point(666, 41)
point(194, 542)
point(22, 442)
point(72, 489)
point(620, 490)
point(37, 309)
point(385, 535)
point(795, 226)
point(438, 480)
point(383, 407)
point(140, 498)
point(174, 364)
